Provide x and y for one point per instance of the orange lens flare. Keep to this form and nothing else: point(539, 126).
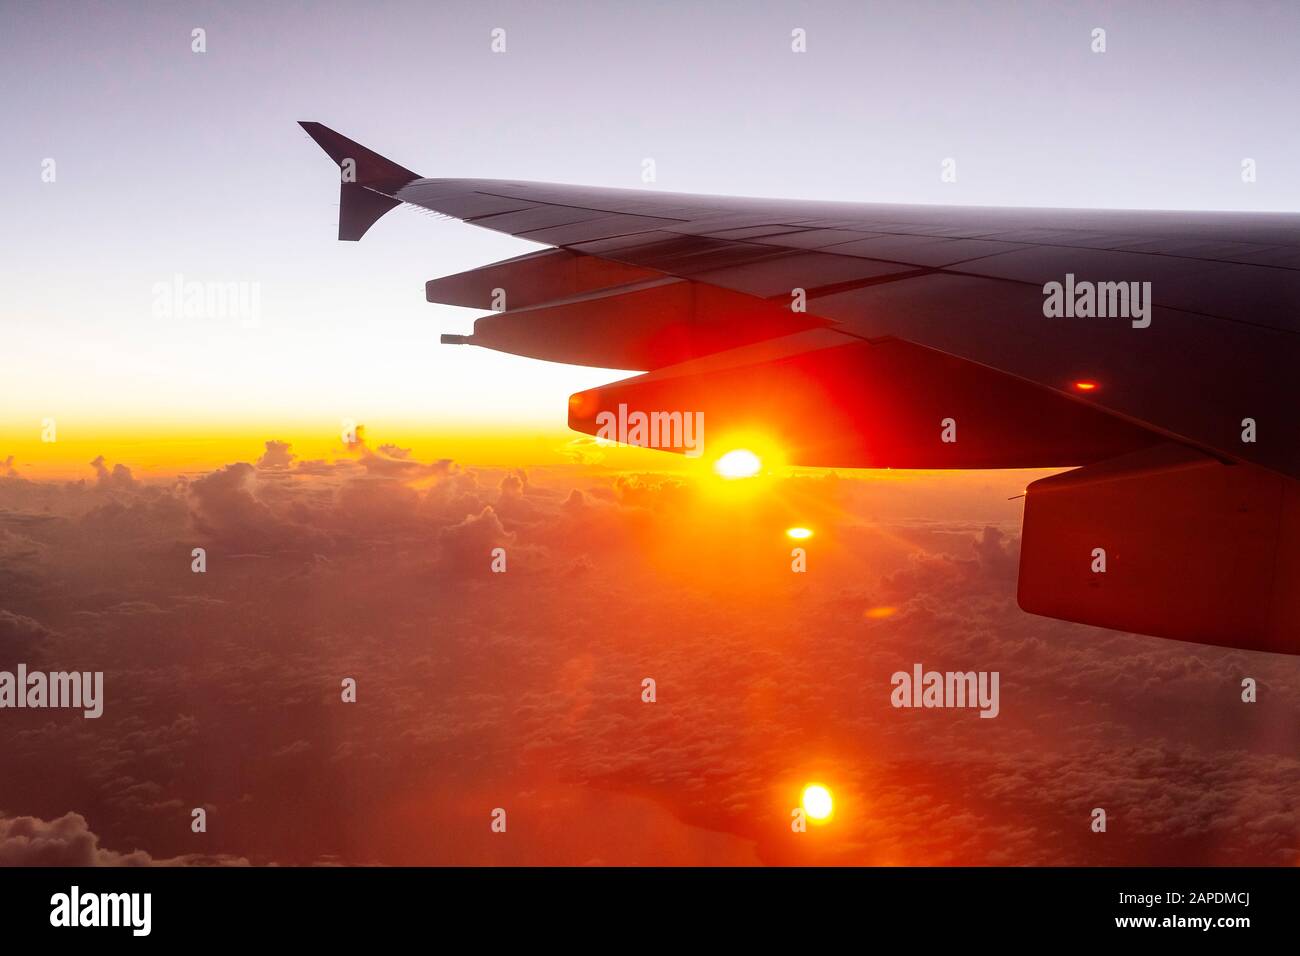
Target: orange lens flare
point(1085, 386)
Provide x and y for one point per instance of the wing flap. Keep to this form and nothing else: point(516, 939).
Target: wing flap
point(641, 325)
point(823, 398)
point(531, 279)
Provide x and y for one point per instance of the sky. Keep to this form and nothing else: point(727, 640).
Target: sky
point(330, 559)
point(175, 163)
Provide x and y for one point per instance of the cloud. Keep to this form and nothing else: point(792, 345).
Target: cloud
point(367, 505)
point(229, 506)
point(119, 479)
point(467, 545)
point(513, 484)
point(391, 461)
point(21, 638)
point(278, 455)
point(583, 450)
point(15, 628)
point(69, 841)
point(222, 689)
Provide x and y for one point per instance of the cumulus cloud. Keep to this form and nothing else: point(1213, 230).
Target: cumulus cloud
point(225, 505)
point(223, 688)
point(391, 461)
point(278, 454)
point(18, 628)
point(118, 479)
point(69, 841)
point(21, 638)
point(467, 545)
point(583, 450)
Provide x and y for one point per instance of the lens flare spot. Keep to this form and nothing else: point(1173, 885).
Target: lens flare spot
point(1085, 386)
point(878, 613)
point(738, 464)
point(799, 534)
point(817, 802)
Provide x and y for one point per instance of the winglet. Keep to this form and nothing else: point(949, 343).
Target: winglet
point(368, 180)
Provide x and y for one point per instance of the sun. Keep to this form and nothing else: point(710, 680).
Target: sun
point(817, 802)
point(799, 534)
point(738, 464)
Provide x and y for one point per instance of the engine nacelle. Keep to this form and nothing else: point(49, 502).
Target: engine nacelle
point(1167, 542)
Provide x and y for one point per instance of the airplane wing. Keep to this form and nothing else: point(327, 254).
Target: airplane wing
point(1154, 351)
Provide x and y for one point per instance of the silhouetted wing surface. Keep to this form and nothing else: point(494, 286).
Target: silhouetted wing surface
point(869, 335)
point(1223, 343)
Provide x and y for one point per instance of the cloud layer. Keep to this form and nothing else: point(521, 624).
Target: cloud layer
point(522, 690)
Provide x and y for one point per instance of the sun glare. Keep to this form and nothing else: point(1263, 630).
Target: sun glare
point(798, 533)
point(738, 464)
point(817, 802)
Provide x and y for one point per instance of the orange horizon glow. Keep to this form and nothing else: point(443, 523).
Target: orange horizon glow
point(168, 448)
point(156, 449)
